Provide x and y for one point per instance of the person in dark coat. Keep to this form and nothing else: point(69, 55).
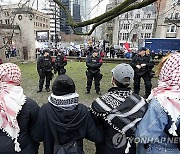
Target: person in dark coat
point(142, 65)
point(44, 68)
point(60, 62)
point(70, 120)
point(118, 112)
point(112, 51)
point(93, 63)
point(18, 114)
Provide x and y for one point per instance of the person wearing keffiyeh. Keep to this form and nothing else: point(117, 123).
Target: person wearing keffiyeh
point(17, 113)
point(118, 112)
point(163, 115)
point(63, 119)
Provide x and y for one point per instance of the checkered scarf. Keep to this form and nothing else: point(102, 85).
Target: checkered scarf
point(11, 100)
point(168, 90)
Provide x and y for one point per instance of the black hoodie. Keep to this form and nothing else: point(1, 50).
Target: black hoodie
point(70, 125)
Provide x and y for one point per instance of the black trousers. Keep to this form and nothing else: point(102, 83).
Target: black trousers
point(97, 77)
point(147, 83)
point(61, 71)
point(42, 77)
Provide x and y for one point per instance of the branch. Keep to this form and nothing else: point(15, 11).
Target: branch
point(129, 8)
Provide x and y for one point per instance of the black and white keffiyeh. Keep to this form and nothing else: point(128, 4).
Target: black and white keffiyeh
point(121, 109)
point(66, 102)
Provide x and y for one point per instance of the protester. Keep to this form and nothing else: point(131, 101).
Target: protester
point(44, 68)
point(60, 62)
point(64, 116)
point(118, 111)
point(158, 128)
point(17, 113)
point(142, 65)
point(93, 63)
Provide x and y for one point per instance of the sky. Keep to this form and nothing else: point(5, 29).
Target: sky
point(94, 10)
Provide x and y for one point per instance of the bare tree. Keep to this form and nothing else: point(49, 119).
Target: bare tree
point(125, 6)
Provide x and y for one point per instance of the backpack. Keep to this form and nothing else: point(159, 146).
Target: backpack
point(68, 148)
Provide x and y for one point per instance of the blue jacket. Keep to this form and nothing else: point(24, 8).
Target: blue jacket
point(151, 131)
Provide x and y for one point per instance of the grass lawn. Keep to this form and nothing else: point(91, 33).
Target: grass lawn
point(76, 70)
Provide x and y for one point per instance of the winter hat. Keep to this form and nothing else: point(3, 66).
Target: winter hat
point(142, 49)
point(63, 85)
point(123, 73)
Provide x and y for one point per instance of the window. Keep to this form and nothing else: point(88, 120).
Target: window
point(142, 35)
point(126, 26)
point(148, 26)
point(7, 21)
point(176, 15)
point(126, 15)
point(143, 26)
point(125, 36)
point(171, 29)
point(147, 35)
point(148, 15)
point(46, 26)
point(120, 36)
point(43, 25)
point(40, 24)
point(1, 22)
point(36, 17)
point(137, 16)
point(120, 26)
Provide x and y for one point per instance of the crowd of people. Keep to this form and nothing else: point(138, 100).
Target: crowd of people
point(113, 121)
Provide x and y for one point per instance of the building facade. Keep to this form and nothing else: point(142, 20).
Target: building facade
point(22, 24)
point(131, 26)
point(168, 19)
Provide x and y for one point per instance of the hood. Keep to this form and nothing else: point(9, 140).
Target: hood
point(66, 120)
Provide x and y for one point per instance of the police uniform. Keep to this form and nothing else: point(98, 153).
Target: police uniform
point(93, 72)
point(143, 72)
point(60, 62)
point(44, 68)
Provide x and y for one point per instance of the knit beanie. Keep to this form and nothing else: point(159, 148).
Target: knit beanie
point(63, 85)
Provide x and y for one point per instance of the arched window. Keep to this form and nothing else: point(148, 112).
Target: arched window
point(172, 29)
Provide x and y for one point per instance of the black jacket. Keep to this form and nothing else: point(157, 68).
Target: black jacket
point(60, 61)
point(26, 120)
point(71, 125)
point(44, 64)
point(138, 60)
point(93, 64)
point(114, 142)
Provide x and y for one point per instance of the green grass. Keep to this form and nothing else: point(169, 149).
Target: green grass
point(76, 70)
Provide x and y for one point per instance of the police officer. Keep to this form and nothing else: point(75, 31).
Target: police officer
point(44, 68)
point(60, 62)
point(93, 64)
point(142, 65)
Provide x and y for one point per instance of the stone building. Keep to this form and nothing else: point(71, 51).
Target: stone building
point(22, 24)
point(168, 19)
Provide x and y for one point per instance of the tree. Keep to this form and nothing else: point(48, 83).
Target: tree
point(125, 6)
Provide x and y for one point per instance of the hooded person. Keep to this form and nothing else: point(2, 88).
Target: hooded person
point(160, 123)
point(64, 119)
point(17, 113)
point(118, 111)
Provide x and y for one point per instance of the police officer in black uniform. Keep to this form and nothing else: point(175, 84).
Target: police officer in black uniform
point(60, 62)
point(142, 65)
point(93, 63)
point(44, 68)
